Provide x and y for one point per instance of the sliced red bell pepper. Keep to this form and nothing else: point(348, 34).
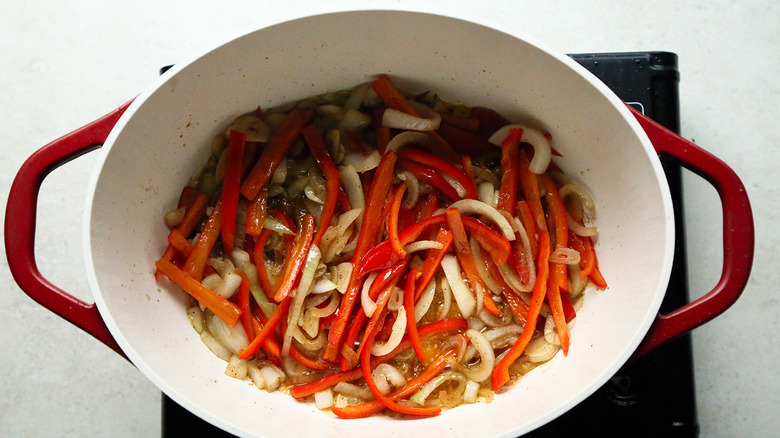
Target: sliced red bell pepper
point(507, 195)
point(530, 185)
point(558, 214)
point(447, 325)
point(193, 213)
point(411, 323)
point(268, 329)
point(179, 242)
point(488, 118)
point(196, 262)
point(367, 409)
point(466, 258)
point(221, 307)
point(262, 272)
point(230, 186)
point(297, 259)
point(256, 211)
point(518, 306)
point(439, 164)
point(524, 212)
point(433, 261)
point(392, 220)
point(432, 177)
point(501, 372)
point(369, 234)
point(464, 142)
point(274, 152)
point(332, 179)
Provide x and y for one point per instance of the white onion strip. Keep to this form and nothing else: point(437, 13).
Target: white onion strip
point(420, 396)
point(463, 296)
point(352, 185)
point(481, 371)
point(396, 335)
point(424, 303)
point(542, 150)
point(413, 188)
point(304, 286)
point(472, 206)
point(408, 137)
point(429, 119)
point(368, 304)
point(421, 245)
point(363, 162)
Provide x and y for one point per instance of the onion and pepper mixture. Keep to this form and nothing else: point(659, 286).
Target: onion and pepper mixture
point(375, 251)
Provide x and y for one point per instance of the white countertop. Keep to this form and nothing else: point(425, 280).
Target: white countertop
point(68, 62)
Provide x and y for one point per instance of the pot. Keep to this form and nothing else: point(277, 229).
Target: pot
point(151, 145)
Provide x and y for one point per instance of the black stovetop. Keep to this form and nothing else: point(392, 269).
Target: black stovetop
point(653, 396)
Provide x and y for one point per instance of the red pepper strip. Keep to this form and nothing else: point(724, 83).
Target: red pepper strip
point(392, 220)
point(488, 118)
point(332, 179)
point(221, 307)
point(187, 197)
point(271, 346)
point(411, 322)
point(556, 306)
point(256, 212)
point(296, 261)
point(439, 164)
point(365, 365)
point(387, 278)
point(426, 208)
point(368, 409)
point(262, 272)
point(307, 361)
point(274, 152)
point(230, 186)
point(468, 169)
point(558, 213)
point(192, 216)
point(524, 211)
point(370, 232)
point(501, 372)
point(588, 261)
point(179, 242)
point(382, 255)
point(243, 304)
point(530, 186)
point(390, 95)
point(196, 262)
point(507, 195)
point(268, 329)
point(518, 306)
point(405, 217)
point(433, 261)
point(466, 258)
point(343, 199)
point(432, 177)
point(464, 142)
point(568, 308)
point(447, 325)
point(376, 318)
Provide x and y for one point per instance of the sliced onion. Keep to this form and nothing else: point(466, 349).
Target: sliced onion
point(299, 295)
point(413, 188)
point(353, 390)
point(420, 396)
point(196, 318)
point(385, 375)
point(323, 399)
point(396, 299)
point(542, 150)
point(350, 180)
point(366, 302)
point(233, 338)
point(470, 393)
point(357, 96)
point(280, 174)
point(327, 310)
point(363, 162)
point(408, 137)
point(429, 119)
point(229, 285)
point(341, 274)
point(396, 335)
point(482, 371)
point(215, 346)
point(236, 368)
point(174, 217)
point(354, 120)
point(463, 296)
point(274, 225)
point(539, 350)
point(488, 279)
point(422, 245)
point(424, 303)
point(472, 206)
point(581, 230)
point(487, 193)
point(565, 255)
point(446, 298)
point(256, 130)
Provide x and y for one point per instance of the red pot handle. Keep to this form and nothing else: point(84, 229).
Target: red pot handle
point(738, 236)
point(20, 218)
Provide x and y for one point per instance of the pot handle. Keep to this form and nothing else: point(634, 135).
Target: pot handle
point(20, 217)
point(738, 236)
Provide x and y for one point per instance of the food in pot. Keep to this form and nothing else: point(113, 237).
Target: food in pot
point(375, 251)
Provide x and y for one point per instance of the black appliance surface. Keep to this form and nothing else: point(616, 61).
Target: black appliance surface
point(653, 396)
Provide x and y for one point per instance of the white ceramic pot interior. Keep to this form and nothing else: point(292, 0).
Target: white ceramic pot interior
point(165, 135)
